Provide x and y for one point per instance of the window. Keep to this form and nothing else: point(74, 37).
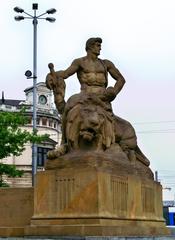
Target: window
point(42, 155)
point(44, 121)
point(50, 123)
point(29, 120)
point(55, 124)
point(9, 107)
point(38, 121)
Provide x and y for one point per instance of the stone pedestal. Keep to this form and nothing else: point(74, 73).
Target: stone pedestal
point(96, 200)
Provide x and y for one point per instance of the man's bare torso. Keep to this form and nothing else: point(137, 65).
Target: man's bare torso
point(91, 73)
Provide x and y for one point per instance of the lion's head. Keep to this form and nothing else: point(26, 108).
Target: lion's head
point(89, 126)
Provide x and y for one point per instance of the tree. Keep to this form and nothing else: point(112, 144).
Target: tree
point(9, 171)
point(13, 139)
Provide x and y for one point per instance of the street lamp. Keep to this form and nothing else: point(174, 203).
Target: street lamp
point(29, 73)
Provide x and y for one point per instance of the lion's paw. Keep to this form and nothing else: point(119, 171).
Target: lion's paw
point(61, 150)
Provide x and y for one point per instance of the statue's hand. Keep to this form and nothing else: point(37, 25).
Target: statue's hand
point(110, 94)
point(50, 81)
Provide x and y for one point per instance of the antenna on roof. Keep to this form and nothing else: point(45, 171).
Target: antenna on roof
point(3, 99)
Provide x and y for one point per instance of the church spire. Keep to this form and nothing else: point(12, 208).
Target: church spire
point(3, 99)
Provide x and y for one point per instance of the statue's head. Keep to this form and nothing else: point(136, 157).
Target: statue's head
point(91, 42)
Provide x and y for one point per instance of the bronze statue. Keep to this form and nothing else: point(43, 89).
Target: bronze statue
point(88, 122)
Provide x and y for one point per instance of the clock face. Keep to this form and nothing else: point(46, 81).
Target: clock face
point(42, 99)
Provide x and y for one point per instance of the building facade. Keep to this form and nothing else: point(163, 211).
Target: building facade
point(48, 121)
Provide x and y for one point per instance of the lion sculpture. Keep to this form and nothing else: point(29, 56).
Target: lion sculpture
point(88, 125)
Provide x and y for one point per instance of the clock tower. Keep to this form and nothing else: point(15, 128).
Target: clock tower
point(44, 97)
point(48, 119)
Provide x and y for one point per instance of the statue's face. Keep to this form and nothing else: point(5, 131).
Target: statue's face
point(96, 47)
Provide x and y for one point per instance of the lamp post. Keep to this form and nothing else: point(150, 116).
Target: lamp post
point(29, 73)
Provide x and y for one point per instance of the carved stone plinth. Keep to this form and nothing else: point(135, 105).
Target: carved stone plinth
point(95, 201)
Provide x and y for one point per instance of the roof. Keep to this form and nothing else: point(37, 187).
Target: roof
point(11, 102)
point(48, 141)
point(37, 85)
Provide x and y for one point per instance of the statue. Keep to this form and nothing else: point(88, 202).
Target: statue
point(98, 182)
point(88, 122)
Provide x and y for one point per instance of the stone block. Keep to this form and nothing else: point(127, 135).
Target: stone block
point(94, 202)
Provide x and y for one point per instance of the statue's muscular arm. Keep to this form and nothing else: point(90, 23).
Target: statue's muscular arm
point(74, 67)
point(115, 74)
point(52, 77)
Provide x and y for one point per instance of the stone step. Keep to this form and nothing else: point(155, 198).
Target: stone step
point(90, 238)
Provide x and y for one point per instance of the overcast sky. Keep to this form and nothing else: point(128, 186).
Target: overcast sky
point(138, 37)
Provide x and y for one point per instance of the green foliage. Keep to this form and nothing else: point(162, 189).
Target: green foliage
point(13, 139)
point(10, 171)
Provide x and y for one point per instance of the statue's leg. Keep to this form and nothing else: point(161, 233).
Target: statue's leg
point(127, 139)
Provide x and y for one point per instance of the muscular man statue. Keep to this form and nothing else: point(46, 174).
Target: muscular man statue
point(87, 117)
point(92, 72)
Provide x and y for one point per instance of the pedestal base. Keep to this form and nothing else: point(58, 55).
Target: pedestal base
point(133, 229)
point(93, 201)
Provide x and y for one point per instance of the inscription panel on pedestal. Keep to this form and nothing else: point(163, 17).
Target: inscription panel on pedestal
point(119, 190)
point(148, 199)
point(65, 191)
